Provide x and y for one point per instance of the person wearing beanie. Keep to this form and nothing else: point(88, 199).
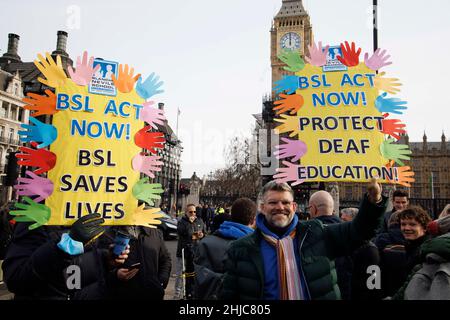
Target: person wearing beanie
point(439, 226)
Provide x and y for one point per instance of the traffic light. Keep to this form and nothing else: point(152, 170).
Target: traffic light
point(12, 169)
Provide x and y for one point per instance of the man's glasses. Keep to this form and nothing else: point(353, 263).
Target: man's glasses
point(192, 211)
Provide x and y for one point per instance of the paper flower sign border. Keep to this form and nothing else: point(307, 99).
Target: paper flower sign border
point(341, 120)
point(98, 143)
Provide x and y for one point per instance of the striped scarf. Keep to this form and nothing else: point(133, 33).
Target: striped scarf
point(288, 275)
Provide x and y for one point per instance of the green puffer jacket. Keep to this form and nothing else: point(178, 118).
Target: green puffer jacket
point(319, 244)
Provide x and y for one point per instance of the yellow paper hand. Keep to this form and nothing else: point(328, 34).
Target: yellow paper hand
point(387, 84)
point(147, 218)
point(288, 124)
point(125, 82)
point(53, 72)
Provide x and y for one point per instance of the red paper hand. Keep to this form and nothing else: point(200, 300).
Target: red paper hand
point(149, 140)
point(41, 158)
point(392, 127)
point(350, 57)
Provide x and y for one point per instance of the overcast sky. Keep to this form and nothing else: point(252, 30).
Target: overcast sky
point(214, 56)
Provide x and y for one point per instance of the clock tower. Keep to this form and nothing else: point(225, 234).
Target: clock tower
point(291, 30)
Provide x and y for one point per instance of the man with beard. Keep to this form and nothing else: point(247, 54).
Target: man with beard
point(288, 259)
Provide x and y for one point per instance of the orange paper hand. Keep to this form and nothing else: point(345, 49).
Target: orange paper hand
point(125, 82)
point(289, 102)
point(404, 176)
point(41, 104)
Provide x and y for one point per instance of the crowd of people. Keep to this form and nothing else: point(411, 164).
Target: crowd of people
point(266, 250)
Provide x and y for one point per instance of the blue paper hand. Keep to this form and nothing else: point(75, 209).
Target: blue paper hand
point(150, 86)
point(288, 84)
point(390, 105)
point(40, 132)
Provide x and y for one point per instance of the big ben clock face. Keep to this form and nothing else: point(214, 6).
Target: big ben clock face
point(290, 41)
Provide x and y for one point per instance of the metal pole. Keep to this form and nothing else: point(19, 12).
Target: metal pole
point(375, 25)
point(183, 274)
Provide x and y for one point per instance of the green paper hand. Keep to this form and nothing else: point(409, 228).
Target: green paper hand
point(32, 212)
point(395, 152)
point(147, 192)
point(293, 60)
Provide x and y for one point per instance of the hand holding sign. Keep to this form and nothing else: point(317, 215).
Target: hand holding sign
point(150, 86)
point(392, 127)
point(53, 72)
point(84, 71)
point(404, 176)
point(350, 57)
point(290, 173)
point(287, 83)
point(36, 186)
point(147, 192)
point(151, 115)
point(392, 105)
point(125, 82)
point(293, 60)
point(387, 84)
point(396, 152)
point(149, 140)
point(292, 148)
point(317, 55)
point(147, 218)
point(41, 104)
point(377, 61)
point(147, 164)
point(288, 102)
point(32, 212)
point(41, 158)
point(41, 132)
point(288, 124)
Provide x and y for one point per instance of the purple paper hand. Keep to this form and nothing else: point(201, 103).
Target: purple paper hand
point(290, 173)
point(147, 164)
point(377, 61)
point(151, 115)
point(292, 148)
point(36, 186)
point(84, 71)
point(317, 55)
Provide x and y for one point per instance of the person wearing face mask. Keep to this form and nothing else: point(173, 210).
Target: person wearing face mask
point(288, 259)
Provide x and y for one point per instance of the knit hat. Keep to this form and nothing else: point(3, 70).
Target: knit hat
point(439, 226)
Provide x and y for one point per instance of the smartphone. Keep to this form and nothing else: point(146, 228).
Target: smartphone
point(133, 266)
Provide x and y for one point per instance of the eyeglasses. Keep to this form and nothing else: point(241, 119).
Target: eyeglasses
point(192, 211)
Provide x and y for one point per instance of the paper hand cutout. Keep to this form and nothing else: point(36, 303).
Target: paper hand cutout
point(288, 102)
point(147, 218)
point(147, 164)
point(150, 86)
point(125, 82)
point(41, 158)
point(288, 124)
point(40, 132)
point(317, 55)
point(350, 57)
point(391, 105)
point(395, 152)
point(290, 173)
point(377, 61)
point(292, 148)
point(36, 186)
point(149, 140)
point(32, 212)
point(392, 127)
point(41, 104)
point(84, 70)
point(386, 84)
point(151, 115)
point(293, 60)
point(404, 176)
point(288, 84)
point(52, 71)
point(147, 192)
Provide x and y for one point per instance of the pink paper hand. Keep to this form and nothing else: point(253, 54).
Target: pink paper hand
point(147, 164)
point(151, 115)
point(317, 55)
point(292, 148)
point(84, 71)
point(377, 61)
point(36, 186)
point(290, 173)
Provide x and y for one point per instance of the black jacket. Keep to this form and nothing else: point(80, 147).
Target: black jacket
point(35, 268)
point(185, 230)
